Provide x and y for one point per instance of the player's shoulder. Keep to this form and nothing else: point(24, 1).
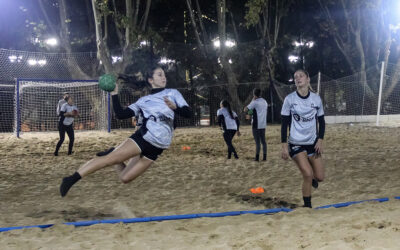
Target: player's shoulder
point(171, 91)
point(315, 96)
point(263, 101)
point(291, 96)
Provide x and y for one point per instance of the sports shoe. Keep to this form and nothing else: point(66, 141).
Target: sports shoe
point(314, 183)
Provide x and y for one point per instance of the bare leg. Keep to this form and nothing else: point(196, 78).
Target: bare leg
point(119, 168)
point(318, 167)
point(134, 169)
point(123, 152)
point(306, 170)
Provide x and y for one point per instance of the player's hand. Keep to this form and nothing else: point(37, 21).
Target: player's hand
point(117, 83)
point(169, 103)
point(285, 151)
point(75, 113)
point(238, 133)
point(319, 148)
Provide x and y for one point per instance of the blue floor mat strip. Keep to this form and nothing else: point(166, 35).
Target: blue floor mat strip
point(190, 216)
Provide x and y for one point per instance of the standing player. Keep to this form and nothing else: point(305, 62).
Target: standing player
point(302, 110)
point(229, 123)
point(259, 122)
point(159, 109)
point(66, 123)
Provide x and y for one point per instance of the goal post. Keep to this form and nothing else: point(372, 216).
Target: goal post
point(36, 100)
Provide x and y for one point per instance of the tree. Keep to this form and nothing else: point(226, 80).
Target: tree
point(362, 32)
point(266, 16)
point(359, 32)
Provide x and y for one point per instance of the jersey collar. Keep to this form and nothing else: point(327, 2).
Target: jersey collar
point(303, 97)
point(153, 91)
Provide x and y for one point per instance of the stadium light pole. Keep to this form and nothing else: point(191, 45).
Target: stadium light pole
point(228, 43)
point(51, 42)
point(303, 44)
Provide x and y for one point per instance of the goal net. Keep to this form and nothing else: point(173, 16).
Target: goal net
point(36, 103)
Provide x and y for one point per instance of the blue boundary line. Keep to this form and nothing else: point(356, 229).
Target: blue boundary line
point(345, 204)
point(191, 216)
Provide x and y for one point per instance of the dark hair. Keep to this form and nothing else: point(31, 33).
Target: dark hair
point(133, 81)
point(137, 83)
point(150, 71)
point(226, 104)
point(67, 98)
point(257, 92)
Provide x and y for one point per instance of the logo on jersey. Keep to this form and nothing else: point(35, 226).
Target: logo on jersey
point(303, 119)
point(314, 107)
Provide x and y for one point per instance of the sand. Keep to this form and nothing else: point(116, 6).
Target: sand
point(362, 162)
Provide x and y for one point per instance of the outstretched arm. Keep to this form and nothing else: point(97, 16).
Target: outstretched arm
point(120, 112)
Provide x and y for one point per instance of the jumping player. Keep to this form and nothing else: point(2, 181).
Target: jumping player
point(302, 110)
point(159, 109)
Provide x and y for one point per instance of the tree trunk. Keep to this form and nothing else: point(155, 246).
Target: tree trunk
point(232, 81)
point(196, 33)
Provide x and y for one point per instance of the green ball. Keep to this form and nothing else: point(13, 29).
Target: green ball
point(250, 112)
point(107, 82)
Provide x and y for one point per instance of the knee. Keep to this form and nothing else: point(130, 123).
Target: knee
point(125, 180)
point(308, 176)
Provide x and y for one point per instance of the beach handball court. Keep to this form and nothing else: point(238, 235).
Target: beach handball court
point(194, 177)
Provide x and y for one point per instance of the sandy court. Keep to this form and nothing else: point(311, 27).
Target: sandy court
point(362, 162)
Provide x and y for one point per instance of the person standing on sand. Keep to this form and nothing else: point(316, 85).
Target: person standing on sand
point(302, 110)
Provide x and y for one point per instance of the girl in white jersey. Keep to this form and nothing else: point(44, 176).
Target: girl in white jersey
point(302, 110)
point(67, 112)
point(159, 109)
point(229, 123)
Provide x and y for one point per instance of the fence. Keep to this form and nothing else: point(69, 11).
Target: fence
point(370, 96)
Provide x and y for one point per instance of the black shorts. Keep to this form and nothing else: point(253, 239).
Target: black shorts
point(295, 149)
point(149, 151)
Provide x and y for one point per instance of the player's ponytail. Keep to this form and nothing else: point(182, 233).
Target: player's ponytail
point(226, 104)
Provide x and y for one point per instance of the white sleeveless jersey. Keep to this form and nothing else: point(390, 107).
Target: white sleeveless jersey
point(304, 112)
point(160, 118)
point(229, 122)
point(261, 106)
